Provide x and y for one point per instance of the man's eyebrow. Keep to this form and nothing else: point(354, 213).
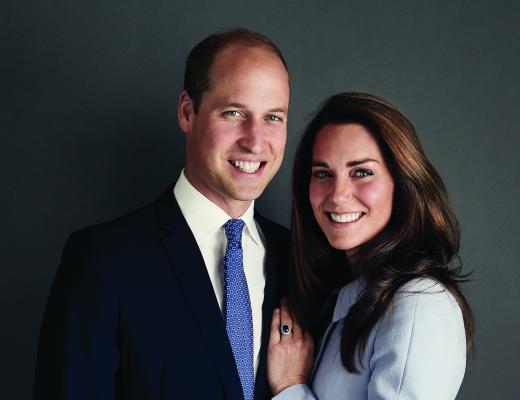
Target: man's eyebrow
point(243, 106)
point(234, 105)
point(278, 110)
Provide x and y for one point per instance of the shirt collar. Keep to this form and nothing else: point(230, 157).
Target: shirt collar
point(203, 216)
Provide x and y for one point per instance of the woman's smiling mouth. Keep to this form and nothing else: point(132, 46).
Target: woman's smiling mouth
point(345, 217)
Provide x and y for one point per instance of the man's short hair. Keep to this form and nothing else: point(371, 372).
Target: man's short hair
point(200, 59)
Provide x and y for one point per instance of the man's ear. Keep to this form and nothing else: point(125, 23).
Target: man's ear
point(185, 111)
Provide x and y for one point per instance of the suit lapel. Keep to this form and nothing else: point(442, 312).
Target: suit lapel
point(275, 263)
point(188, 265)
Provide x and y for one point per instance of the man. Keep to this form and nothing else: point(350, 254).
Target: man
point(137, 309)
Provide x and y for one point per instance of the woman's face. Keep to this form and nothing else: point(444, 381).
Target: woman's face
point(351, 188)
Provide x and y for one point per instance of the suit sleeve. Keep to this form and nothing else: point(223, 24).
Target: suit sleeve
point(420, 348)
point(78, 353)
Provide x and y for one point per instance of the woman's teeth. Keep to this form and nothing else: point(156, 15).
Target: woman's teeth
point(249, 167)
point(347, 217)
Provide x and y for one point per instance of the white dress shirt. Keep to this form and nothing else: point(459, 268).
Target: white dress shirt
point(206, 221)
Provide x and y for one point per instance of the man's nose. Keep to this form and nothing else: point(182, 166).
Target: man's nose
point(253, 137)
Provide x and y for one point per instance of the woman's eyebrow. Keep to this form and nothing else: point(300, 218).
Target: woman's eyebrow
point(355, 163)
point(320, 164)
point(352, 163)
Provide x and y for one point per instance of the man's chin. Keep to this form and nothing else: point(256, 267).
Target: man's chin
point(246, 189)
point(247, 195)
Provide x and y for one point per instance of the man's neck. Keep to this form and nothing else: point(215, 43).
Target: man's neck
point(233, 208)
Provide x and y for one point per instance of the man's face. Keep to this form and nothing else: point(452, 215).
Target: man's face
point(235, 143)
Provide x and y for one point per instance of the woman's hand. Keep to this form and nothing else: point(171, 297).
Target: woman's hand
point(289, 357)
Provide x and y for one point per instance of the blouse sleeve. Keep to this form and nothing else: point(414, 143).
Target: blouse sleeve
point(420, 347)
point(296, 392)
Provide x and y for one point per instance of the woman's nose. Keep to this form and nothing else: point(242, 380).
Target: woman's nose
point(342, 191)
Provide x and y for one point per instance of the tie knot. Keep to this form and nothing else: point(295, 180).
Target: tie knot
point(234, 230)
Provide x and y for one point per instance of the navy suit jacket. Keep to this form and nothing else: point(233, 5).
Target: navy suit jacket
point(132, 313)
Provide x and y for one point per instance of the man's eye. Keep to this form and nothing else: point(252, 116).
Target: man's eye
point(362, 172)
point(320, 174)
point(272, 117)
point(232, 113)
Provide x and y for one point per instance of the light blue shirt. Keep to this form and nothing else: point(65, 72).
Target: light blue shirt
point(416, 351)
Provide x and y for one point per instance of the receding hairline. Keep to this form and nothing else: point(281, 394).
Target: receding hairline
point(263, 49)
point(238, 46)
point(202, 56)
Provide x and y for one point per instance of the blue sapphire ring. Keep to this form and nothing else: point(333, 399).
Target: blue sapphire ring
point(286, 329)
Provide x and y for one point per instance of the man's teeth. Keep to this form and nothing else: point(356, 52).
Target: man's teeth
point(347, 217)
point(248, 167)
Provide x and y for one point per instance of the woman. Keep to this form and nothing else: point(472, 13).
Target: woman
point(370, 214)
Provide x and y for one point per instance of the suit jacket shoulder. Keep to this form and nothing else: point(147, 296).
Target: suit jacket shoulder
point(132, 313)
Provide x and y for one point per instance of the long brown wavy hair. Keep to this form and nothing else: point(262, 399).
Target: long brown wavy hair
point(420, 240)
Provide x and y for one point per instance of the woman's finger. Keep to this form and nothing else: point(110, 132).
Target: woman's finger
point(310, 342)
point(296, 329)
point(285, 318)
point(275, 327)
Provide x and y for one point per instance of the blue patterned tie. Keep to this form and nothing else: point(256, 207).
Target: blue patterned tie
point(239, 321)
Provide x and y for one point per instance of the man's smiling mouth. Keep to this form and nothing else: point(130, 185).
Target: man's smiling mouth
point(249, 167)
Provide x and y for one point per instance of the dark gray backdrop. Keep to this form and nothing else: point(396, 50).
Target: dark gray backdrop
point(88, 131)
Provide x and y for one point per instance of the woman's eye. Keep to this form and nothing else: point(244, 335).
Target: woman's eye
point(320, 174)
point(362, 172)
